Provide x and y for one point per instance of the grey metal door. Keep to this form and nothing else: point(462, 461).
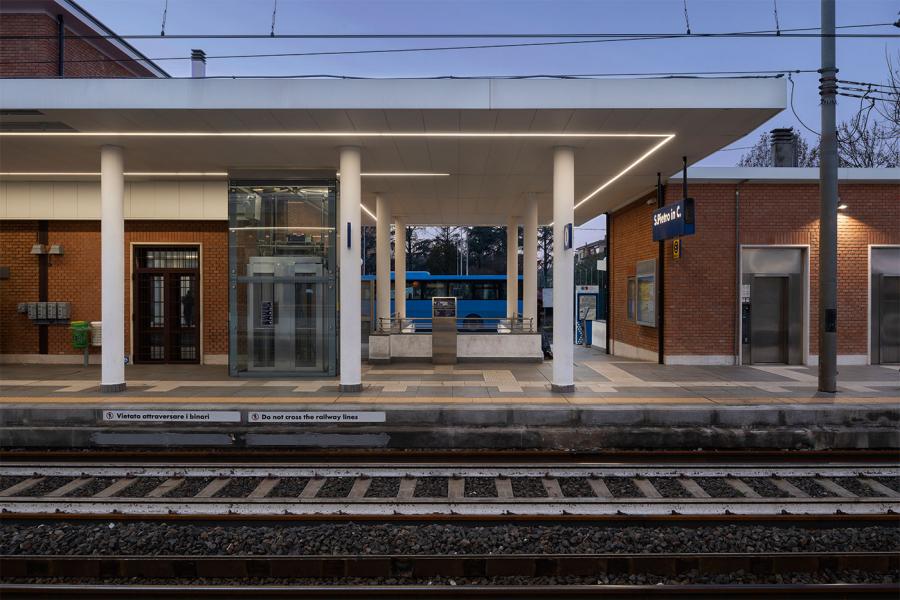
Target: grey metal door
point(889, 319)
point(769, 320)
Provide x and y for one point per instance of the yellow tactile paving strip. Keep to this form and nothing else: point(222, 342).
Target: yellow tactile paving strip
point(377, 399)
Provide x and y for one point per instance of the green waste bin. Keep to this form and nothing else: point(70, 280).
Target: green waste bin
point(81, 334)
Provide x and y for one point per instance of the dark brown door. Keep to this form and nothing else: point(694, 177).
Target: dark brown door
point(167, 304)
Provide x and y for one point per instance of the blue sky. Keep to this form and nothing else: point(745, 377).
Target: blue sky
point(858, 59)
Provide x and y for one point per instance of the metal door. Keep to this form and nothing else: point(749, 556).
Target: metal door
point(167, 305)
point(888, 327)
point(769, 320)
point(286, 314)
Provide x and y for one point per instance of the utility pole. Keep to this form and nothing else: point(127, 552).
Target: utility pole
point(828, 179)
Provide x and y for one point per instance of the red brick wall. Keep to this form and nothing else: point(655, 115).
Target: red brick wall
point(631, 240)
point(37, 57)
point(700, 292)
point(17, 334)
point(75, 277)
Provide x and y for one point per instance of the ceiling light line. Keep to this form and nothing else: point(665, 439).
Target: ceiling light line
point(640, 159)
point(126, 173)
point(337, 134)
point(367, 211)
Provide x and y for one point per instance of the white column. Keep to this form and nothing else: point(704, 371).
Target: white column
point(563, 270)
point(382, 259)
point(349, 242)
point(512, 267)
point(529, 260)
point(112, 269)
point(400, 268)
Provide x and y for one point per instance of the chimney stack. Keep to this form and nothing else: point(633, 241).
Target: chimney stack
point(198, 63)
point(784, 147)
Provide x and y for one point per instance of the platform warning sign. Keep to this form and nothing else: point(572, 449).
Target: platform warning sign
point(317, 417)
point(173, 416)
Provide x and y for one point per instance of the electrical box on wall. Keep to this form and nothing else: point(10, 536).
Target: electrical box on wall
point(46, 313)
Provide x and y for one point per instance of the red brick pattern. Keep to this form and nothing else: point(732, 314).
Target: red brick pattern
point(700, 287)
point(75, 277)
point(38, 57)
point(631, 240)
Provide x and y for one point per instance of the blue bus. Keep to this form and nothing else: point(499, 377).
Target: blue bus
point(478, 296)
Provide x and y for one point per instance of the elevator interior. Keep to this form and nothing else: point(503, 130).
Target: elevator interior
point(773, 284)
point(885, 305)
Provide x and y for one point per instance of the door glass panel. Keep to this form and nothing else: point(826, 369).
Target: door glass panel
point(283, 278)
point(167, 304)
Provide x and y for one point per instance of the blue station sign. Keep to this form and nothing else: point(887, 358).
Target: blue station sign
point(673, 220)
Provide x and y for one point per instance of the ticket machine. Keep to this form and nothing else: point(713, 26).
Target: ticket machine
point(443, 330)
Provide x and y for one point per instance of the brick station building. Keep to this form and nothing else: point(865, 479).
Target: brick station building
point(760, 223)
point(193, 172)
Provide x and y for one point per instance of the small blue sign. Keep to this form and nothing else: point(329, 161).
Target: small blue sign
point(673, 220)
point(567, 237)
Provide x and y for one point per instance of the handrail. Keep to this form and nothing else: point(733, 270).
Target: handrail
point(501, 325)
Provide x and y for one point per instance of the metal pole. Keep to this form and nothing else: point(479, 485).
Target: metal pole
point(828, 179)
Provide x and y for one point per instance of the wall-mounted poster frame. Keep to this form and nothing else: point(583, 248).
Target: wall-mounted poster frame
point(645, 293)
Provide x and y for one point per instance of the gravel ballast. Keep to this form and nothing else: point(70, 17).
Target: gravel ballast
point(383, 487)
point(717, 487)
point(575, 487)
point(528, 487)
point(765, 488)
point(480, 487)
point(141, 487)
point(622, 487)
point(176, 538)
point(809, 486)
point(95, 485)
point(189, 487)
point(289, 487)
point(239, 487)
point(669, 487)
point(431, 487)
point(690, 577)
point(336, 487)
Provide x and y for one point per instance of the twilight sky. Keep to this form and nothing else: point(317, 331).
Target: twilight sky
point(858, 59)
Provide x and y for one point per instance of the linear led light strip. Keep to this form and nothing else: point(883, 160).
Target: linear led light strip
point(331, 134)
point(185, 174)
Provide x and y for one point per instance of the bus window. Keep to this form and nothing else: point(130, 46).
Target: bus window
point(461, 289)
point(434, 288)
point(487, 290)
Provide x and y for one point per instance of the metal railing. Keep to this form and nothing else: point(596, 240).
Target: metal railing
point(502, 325)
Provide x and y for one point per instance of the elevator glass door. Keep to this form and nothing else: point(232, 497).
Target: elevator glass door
point(283, 315)
point(768, 324)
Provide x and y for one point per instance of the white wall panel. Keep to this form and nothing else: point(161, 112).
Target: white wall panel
point(159, 200)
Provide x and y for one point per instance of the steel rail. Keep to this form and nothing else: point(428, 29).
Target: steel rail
point(438, 456)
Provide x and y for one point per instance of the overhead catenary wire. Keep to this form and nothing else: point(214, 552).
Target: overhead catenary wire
point(162, 30)
point(811, 32)
point(793, 110)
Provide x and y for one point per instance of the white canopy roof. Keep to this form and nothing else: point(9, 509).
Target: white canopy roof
point(488, 143)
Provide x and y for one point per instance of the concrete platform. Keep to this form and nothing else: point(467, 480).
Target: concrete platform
point(616, 404)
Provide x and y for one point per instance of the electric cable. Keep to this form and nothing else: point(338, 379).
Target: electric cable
point(793, 110)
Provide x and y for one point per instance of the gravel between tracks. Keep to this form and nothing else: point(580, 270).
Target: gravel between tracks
point(177, 538)
point(431, 487)
point(765, 488)
point(189, 487)
point(717, 487)
point(855, 486)
point(141, 487)
point(575, 487)
point(810, 487)
point(622, 487)
point(47, 485)
point(7, 481)
point(97, 484)
point(336, 487)
point(688, 577)
point(528, 487)
point(383, 487)
point(239, 487)
point(669, 487)
point(480, 487)
point(289, 487)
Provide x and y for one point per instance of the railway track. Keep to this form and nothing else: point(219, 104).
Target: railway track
point(385, 491)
